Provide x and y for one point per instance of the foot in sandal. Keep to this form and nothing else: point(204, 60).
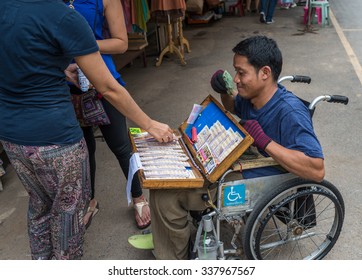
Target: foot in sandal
point(93, 209)
point(142, 212)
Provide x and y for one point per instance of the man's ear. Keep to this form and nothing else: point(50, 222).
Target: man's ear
point(265, 72)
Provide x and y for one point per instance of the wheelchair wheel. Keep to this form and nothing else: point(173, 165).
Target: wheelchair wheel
point(300, 219)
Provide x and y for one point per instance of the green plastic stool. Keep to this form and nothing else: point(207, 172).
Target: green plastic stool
point(324, 5)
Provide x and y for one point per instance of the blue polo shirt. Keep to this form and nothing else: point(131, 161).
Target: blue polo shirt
point(39, 38)
point(287, 121)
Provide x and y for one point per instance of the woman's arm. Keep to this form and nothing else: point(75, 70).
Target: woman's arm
point(118, 43)
point(98, 74)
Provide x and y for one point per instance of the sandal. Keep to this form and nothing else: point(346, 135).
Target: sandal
point(138, 212)
point(93, 211)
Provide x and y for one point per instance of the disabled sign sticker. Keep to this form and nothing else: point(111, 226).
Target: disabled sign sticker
point(234, 195)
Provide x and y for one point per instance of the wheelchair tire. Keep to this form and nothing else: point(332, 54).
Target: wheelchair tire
point(300, 219)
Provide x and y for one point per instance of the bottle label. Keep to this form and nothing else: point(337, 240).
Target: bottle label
point(83, 81)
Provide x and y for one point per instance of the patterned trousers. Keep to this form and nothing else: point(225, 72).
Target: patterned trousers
point(57, 181)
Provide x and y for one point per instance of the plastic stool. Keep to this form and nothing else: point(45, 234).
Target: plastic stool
point(324, 6)
point(318, 13)
point(239, 6)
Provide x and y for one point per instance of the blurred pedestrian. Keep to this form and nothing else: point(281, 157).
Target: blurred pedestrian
point(286, 4)
point(267, 8)
point(248, 6)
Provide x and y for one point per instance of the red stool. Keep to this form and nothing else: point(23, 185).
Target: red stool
point(238, 6)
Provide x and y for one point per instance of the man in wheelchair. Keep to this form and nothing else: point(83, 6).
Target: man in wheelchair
point(278, 121)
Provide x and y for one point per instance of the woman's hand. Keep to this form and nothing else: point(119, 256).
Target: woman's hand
point(161, 132)
point(71, 74)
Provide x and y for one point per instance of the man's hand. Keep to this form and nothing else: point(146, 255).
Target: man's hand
point(217, 82)
point(222, 82)
point(261, 140)
point(71, 74)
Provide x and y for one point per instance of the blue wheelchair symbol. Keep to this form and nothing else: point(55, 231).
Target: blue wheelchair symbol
point(234, 195)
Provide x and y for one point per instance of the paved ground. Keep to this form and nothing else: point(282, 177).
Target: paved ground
point(168, 92)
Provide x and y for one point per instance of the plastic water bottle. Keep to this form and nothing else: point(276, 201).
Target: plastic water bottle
point(83, 81)
point(208, 245)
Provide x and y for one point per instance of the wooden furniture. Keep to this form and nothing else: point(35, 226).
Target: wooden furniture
point(171, 46)
point(211, 113)
point(164, 175)
point(182, 41)
point(137, 43)
point(256, 161)
point(172, 13)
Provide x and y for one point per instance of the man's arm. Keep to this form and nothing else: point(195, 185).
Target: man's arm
point(293, 161)
point(297, 162)
point(228, 102)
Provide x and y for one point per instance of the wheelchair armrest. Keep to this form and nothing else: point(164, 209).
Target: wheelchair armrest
point(243, 164)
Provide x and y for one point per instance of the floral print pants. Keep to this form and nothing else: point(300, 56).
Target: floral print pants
point(58, 183)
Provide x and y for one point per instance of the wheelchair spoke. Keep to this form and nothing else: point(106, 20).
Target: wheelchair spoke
point(303, 222)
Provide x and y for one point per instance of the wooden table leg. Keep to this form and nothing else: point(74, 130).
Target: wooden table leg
point(183, 41)
point(171, 47)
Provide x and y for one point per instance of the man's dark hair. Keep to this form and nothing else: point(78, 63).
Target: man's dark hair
point(261, 51)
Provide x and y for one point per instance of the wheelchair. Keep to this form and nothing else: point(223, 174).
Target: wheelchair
point(279, 217)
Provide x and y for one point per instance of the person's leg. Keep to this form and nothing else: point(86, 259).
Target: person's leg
point(263, 7)
point(117, 139)
point(248, 2)
point(270, 11)
point(257, 5)
point(91, 145)
point(71, 199)
point(170, 226)
point(57, 181)
point(39, 203)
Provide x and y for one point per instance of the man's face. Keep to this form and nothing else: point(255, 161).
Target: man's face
point(247, 80)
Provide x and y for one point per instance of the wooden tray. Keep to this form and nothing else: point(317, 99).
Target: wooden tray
point(213, 111)
point(169, 183)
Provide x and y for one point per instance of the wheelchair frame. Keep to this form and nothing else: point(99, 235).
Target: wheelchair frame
point(284, 217)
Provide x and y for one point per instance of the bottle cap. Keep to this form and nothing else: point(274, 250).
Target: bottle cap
point(208, 226)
